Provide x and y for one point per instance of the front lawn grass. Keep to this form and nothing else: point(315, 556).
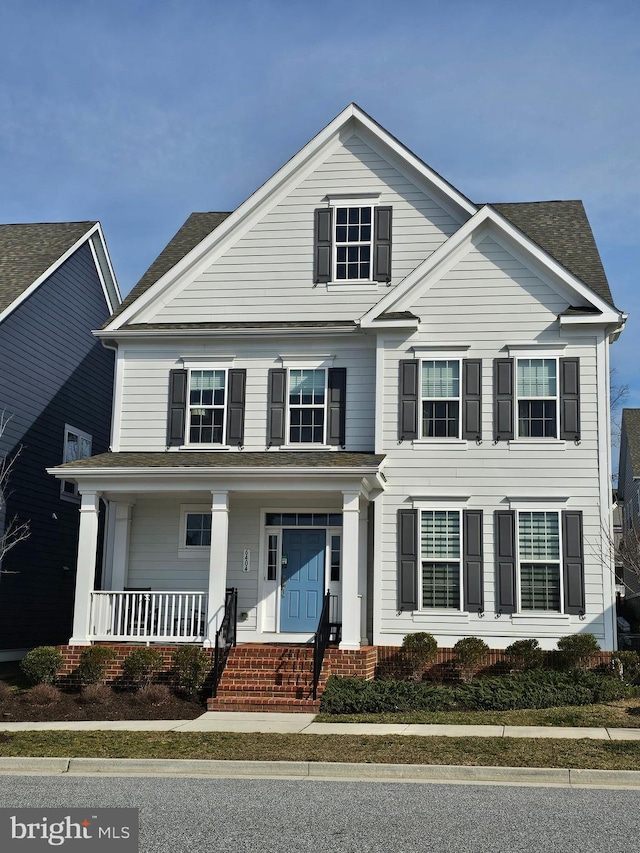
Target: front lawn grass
point(503, 752)
point(622, 714)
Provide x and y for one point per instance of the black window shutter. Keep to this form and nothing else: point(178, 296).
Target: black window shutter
point(503, 415)
point(337, 388)
point(573, 554)
point(472, 567)
point(235, 406)
point(323, 242)
point(407, 559)
point(277, 391)
point(382, 244)
point(408, 404)
point(570, 399)
point(177, 407)
point(505, 548)
point(471, 398)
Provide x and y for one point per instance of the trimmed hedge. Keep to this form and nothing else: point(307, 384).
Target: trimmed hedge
point(540, 689)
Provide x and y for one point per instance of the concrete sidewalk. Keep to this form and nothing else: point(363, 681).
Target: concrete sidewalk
point(268, 723)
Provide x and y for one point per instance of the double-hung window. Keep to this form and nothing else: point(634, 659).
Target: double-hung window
point(353, 242)
point(77, 445)
point(207, 406)
point(537, 397)
point(307, 406)
point(539, 560)
point(440, 551)
point(440, 394)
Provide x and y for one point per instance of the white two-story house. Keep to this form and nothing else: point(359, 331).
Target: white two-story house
point(358, 382)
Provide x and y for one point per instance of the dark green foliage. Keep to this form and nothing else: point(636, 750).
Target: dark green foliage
point(420, 650)
point(576, 651)
point(627, 665)
point(140, 667)
point(190, 668)
point(41, 664)
point(92, 668)
point(525, 655)
point(539, 689)
point(471, 652)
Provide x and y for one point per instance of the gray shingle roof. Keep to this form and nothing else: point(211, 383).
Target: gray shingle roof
point(231, 459)
point(631, 430)
point(562, 229)
point(28, 250)
point(194, 230)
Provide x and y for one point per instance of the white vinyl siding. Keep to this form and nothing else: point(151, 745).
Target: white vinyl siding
point(270, 269)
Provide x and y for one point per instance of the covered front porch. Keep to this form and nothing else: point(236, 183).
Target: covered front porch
point(289, 532)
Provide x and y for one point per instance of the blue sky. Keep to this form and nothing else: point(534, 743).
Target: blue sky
point(139, 112)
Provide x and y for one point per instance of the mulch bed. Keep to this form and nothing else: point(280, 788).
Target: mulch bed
point(120, 705)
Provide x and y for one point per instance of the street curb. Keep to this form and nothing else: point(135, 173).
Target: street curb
point(322, 770)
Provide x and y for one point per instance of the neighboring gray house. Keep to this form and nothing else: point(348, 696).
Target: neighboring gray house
point(359, 381)
point(629, 503)
point(56, 381)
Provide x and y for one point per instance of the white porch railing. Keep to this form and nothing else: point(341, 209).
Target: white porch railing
point(175, 617)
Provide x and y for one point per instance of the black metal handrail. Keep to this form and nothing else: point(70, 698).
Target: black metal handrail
point(225, 636)
point(320, 642)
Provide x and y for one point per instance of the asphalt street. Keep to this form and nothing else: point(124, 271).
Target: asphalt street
point(289, 816)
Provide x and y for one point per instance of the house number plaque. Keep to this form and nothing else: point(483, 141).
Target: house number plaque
point(246, 560)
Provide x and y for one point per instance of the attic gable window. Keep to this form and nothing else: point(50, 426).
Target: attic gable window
point(353, 240)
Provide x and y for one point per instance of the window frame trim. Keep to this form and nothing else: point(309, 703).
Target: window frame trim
point(516, 399)
point(194, 552)
point(459, 507)
point(370, 200)
point(190, 366)
point(546, 509)
point(306, 444)
point(446, 439)
point(74, 496)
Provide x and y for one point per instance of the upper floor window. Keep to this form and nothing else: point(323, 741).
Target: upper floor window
point(77, 445)
point(353, 240)
point(207, 404)
point(307, 406)
point(441, 399)
point(537, 395)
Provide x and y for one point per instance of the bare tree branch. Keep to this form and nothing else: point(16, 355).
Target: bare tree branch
point(15, 530)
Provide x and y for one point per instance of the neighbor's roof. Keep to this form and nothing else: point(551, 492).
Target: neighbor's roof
point(28, 250)
point(631, 430)
point(562, 229)
point(230, 459)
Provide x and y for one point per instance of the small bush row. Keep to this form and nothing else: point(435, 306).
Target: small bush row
point(190, 666)
point(536, 689)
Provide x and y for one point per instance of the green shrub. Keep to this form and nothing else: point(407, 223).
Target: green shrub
point(576, 650)
point(627, 665)
point(471, 652)
point(190, 668)
point(41, 664)
point(93, 664)
point(420, 650)
point(535, 689)
point(525, 655)
point(141, 666)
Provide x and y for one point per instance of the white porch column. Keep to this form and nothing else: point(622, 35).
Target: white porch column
point(350, 569)
point(217, 562)
point(86, 568)
point(120, 550)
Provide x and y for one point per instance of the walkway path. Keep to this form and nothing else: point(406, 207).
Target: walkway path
point(219, 721)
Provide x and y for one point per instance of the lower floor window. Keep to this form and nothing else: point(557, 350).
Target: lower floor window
point(198, 529)
point(539, 555)
point(440, 552)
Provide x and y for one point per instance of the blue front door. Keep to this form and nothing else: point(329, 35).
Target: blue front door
point(302, 579)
